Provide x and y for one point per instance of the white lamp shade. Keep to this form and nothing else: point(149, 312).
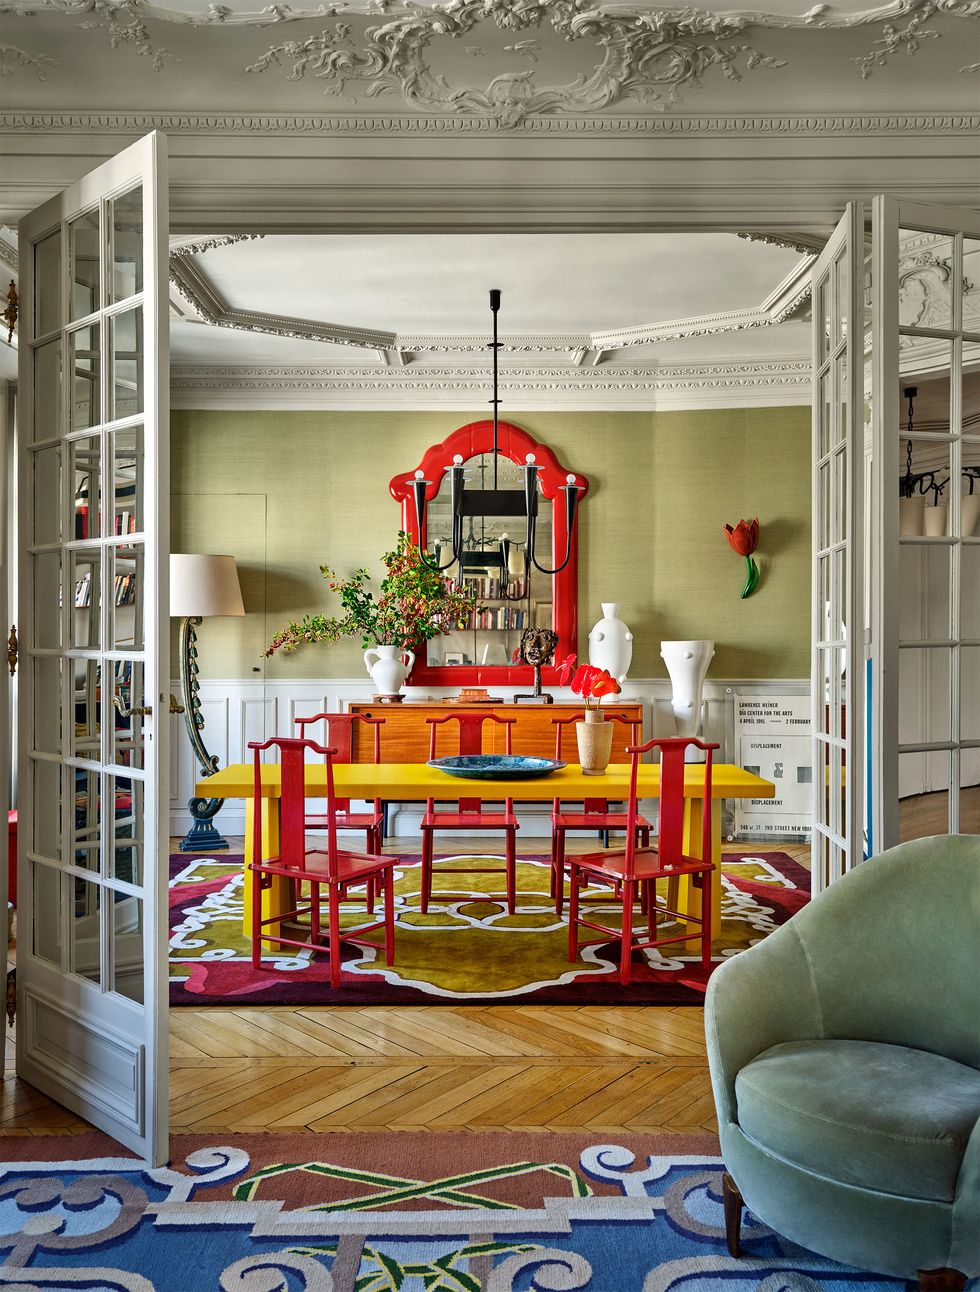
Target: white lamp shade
point(204, 585)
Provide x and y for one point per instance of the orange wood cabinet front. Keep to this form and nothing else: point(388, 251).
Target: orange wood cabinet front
point(405, 735)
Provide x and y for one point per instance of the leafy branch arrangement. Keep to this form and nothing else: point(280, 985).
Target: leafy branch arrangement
point(413, 604)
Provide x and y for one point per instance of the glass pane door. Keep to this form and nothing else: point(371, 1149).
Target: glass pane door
point(93, 490)
point(927, 404)
point(838, 525)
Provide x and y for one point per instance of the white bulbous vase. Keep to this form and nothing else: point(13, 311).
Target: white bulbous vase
point(389, 669)
point(611, 645)
point(687, 663)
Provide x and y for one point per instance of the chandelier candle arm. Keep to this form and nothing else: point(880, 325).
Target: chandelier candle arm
point(419, 486)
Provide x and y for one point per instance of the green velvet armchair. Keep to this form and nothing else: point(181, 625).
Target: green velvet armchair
point(845, 1063)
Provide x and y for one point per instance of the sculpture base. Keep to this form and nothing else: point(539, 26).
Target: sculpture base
point(202, 837)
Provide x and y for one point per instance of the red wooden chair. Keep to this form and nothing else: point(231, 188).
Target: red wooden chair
point(470, 815)
point(595, 814)
point(340, 737)
point(634, 866)
point(336, 868)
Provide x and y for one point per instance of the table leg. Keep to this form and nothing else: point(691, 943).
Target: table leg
point(280, 896)
point(690, 897)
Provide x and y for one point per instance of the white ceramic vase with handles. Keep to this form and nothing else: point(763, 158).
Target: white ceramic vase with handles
point(611, 645)
point(388, 668)
point(687, 663)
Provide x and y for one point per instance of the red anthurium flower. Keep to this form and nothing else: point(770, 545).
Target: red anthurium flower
point(565, 669)
point(744, 538)
point(582, 681)
point(515, 658)
point(605, 684)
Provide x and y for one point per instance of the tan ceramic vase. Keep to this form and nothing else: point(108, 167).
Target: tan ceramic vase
point(594, 742)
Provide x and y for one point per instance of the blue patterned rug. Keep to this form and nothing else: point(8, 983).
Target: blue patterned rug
point(388, 1213)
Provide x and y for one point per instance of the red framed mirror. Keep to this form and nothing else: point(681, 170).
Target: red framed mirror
point(494, 556)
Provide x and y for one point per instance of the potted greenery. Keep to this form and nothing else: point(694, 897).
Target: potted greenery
point(413, 604)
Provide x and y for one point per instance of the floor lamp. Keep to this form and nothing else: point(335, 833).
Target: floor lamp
point(200, 586)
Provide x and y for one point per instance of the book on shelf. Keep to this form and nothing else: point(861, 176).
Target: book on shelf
point(125, 522)
point(485, 588)
point(83, 590)
point(503, 618)
point(124, 589)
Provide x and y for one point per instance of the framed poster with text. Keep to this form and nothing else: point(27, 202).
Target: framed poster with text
point(772, 739)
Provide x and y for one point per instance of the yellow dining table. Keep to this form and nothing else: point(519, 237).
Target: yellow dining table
point(414, 782)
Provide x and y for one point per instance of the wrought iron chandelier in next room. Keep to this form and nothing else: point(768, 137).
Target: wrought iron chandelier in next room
point(496, 501)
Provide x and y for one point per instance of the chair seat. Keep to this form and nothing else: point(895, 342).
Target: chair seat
point(646, 864)
point(346, 820)
point(596, 821)
point(877, 1116)
point(469, 820)
point(350, 865)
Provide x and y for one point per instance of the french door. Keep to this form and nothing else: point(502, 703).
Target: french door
point(926, 617)
point(837, 680)
point(93, 444)
point(896, 607)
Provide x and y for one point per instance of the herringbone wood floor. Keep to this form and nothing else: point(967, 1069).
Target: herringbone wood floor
point(496, 1067)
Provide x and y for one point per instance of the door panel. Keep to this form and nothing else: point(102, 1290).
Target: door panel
point(926, 627)
point(838, 530)
point(94, 482)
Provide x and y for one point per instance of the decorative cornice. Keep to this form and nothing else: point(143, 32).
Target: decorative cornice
point(337, 386)
point(8, 255)
point(825, 125)
point(202, 245)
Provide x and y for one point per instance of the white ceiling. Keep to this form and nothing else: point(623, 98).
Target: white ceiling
point(434, 291)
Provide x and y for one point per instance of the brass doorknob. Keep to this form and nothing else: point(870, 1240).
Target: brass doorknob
point(143, 710)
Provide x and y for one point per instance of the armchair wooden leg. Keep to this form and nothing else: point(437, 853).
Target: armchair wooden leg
point(559, 872)
point(941, 1281)
point(733, 1203)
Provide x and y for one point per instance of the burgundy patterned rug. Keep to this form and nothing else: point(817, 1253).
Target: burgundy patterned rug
point(466, 949)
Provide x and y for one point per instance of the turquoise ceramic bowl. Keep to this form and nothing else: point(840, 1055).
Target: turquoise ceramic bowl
point(496, 767)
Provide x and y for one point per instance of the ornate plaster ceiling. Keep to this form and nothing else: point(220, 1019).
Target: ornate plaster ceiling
point(503, 62)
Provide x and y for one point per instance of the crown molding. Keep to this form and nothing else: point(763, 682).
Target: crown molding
point(338, 386)
point(822, 125)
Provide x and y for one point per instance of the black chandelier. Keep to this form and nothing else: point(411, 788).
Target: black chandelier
point(913, 482)
point(496, 501)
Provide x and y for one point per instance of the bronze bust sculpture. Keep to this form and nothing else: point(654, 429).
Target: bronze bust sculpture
point(537, 648)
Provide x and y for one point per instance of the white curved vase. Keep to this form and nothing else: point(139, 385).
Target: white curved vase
point(389, 670)
point(687, 663)
point(611, 644)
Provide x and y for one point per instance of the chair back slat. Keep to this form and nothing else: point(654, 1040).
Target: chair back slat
point(292, 798)
point(592, 806)
point(470, 741)
point(340, 736)
point(670, 824)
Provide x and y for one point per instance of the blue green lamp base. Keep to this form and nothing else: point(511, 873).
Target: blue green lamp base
point(202, 836)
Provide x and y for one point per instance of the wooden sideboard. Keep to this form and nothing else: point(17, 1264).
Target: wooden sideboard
point(405, 735)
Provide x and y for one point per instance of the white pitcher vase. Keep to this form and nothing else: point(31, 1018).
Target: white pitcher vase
point(388, 668)
point(687, 663)
point(611, 645)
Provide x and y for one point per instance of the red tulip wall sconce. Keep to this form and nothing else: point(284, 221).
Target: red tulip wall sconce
point(743, 538)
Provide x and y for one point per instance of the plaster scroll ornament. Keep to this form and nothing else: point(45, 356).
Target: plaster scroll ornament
point(11, 58)
point(648, 56)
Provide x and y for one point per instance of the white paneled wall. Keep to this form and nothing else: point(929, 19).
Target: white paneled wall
point(236, 712)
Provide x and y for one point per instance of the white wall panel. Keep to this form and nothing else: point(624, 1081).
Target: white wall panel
point(239, 711)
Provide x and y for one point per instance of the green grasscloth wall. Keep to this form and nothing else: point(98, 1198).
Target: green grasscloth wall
point(288, 491)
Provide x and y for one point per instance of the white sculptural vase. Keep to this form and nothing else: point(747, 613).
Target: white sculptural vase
point(388, 669)
point(611, 645)
point(687, 663)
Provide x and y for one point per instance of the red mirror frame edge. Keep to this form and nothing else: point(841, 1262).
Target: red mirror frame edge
point(516, 444)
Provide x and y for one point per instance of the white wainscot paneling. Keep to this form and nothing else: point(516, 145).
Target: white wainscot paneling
point(236, 712)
